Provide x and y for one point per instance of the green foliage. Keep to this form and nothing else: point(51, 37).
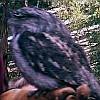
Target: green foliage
point(40, 3)
point(80, 13)
point(94, 42)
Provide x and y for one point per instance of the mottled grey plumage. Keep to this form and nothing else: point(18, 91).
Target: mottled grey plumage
point(45, 52)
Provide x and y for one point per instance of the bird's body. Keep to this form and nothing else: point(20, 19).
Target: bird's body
point(48, 60)
point(45, 52)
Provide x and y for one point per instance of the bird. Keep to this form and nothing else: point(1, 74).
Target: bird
point(46, 54)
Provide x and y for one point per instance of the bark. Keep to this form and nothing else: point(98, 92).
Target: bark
point(3, 73)
point(3, 50)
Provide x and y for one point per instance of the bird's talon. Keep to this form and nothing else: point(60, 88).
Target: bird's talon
point(31, 93)
point(37, 93)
